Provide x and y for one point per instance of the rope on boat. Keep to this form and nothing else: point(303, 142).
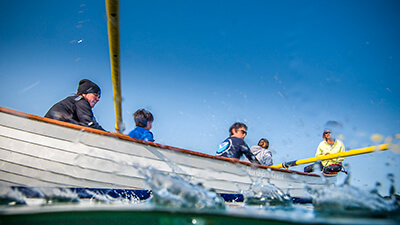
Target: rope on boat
point(112, 7)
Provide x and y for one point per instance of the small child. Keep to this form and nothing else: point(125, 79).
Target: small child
point(144, 121)
point(262, 153)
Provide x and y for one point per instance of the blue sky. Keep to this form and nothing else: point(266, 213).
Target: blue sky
point(285, 68)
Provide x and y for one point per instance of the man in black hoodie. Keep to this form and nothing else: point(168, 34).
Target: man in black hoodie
point(77, 109)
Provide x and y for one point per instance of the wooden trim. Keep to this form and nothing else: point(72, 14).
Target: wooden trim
point(127, 138)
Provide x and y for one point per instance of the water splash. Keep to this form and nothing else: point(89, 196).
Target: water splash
point(11, 196)
point(266, 195)
point(57, 195)
point(174, 192)
point(351, 201)
point(107, 198)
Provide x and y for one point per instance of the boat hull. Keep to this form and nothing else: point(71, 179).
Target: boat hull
point(40, 152)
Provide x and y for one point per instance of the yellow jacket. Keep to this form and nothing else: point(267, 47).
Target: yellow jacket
point(324, 148)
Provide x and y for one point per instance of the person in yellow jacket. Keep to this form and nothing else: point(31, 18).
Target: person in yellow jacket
point(326, 147)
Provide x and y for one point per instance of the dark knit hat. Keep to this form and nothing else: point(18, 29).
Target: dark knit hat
point(86, 86)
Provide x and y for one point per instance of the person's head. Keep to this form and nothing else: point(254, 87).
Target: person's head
point(263, 143)
point(327, 135)
point(143, 118)
point(238, 130)
point(90, 91)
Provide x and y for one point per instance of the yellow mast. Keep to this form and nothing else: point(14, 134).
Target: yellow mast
point(112, 7)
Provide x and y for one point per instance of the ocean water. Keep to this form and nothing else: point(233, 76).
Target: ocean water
point(173, 200)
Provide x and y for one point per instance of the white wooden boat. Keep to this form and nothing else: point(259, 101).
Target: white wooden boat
point(41, 152)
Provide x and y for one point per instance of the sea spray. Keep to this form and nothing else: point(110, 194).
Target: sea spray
point(112, 197)
point(266, 195)
point(57, 195)
point(348, 200)
point(11, 196)
point(174, 192)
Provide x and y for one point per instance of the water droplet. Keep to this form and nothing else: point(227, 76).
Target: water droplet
point(395, 148)
point(394, 143)
point(377, 138)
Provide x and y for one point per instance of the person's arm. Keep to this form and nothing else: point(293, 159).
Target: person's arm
point(96, 125)
point(268, 158)
point(85, 116)
point(319, 150)
point(342, 149)
point(246, 151)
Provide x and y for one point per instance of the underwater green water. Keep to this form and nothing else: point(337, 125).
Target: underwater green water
point(145, 214)
point(131, 217)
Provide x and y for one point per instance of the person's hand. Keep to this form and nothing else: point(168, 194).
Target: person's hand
point(285, 165)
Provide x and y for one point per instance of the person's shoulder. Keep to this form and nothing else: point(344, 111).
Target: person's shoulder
point(131, 132)
point(254, 146)
point(255, 149)
point(66, 99)
point(236, 139)
point(226, 141)
point(80, 101)
point(74, 97)
point(323, 143)
point(136, 132)
point(137, 128)
point(339, 141)
point(147, 132)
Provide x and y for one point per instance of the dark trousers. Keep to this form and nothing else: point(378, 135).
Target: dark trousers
point(334, 168)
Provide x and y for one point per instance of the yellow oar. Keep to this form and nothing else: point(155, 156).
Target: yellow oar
point(113, 40)
point(353, 152)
